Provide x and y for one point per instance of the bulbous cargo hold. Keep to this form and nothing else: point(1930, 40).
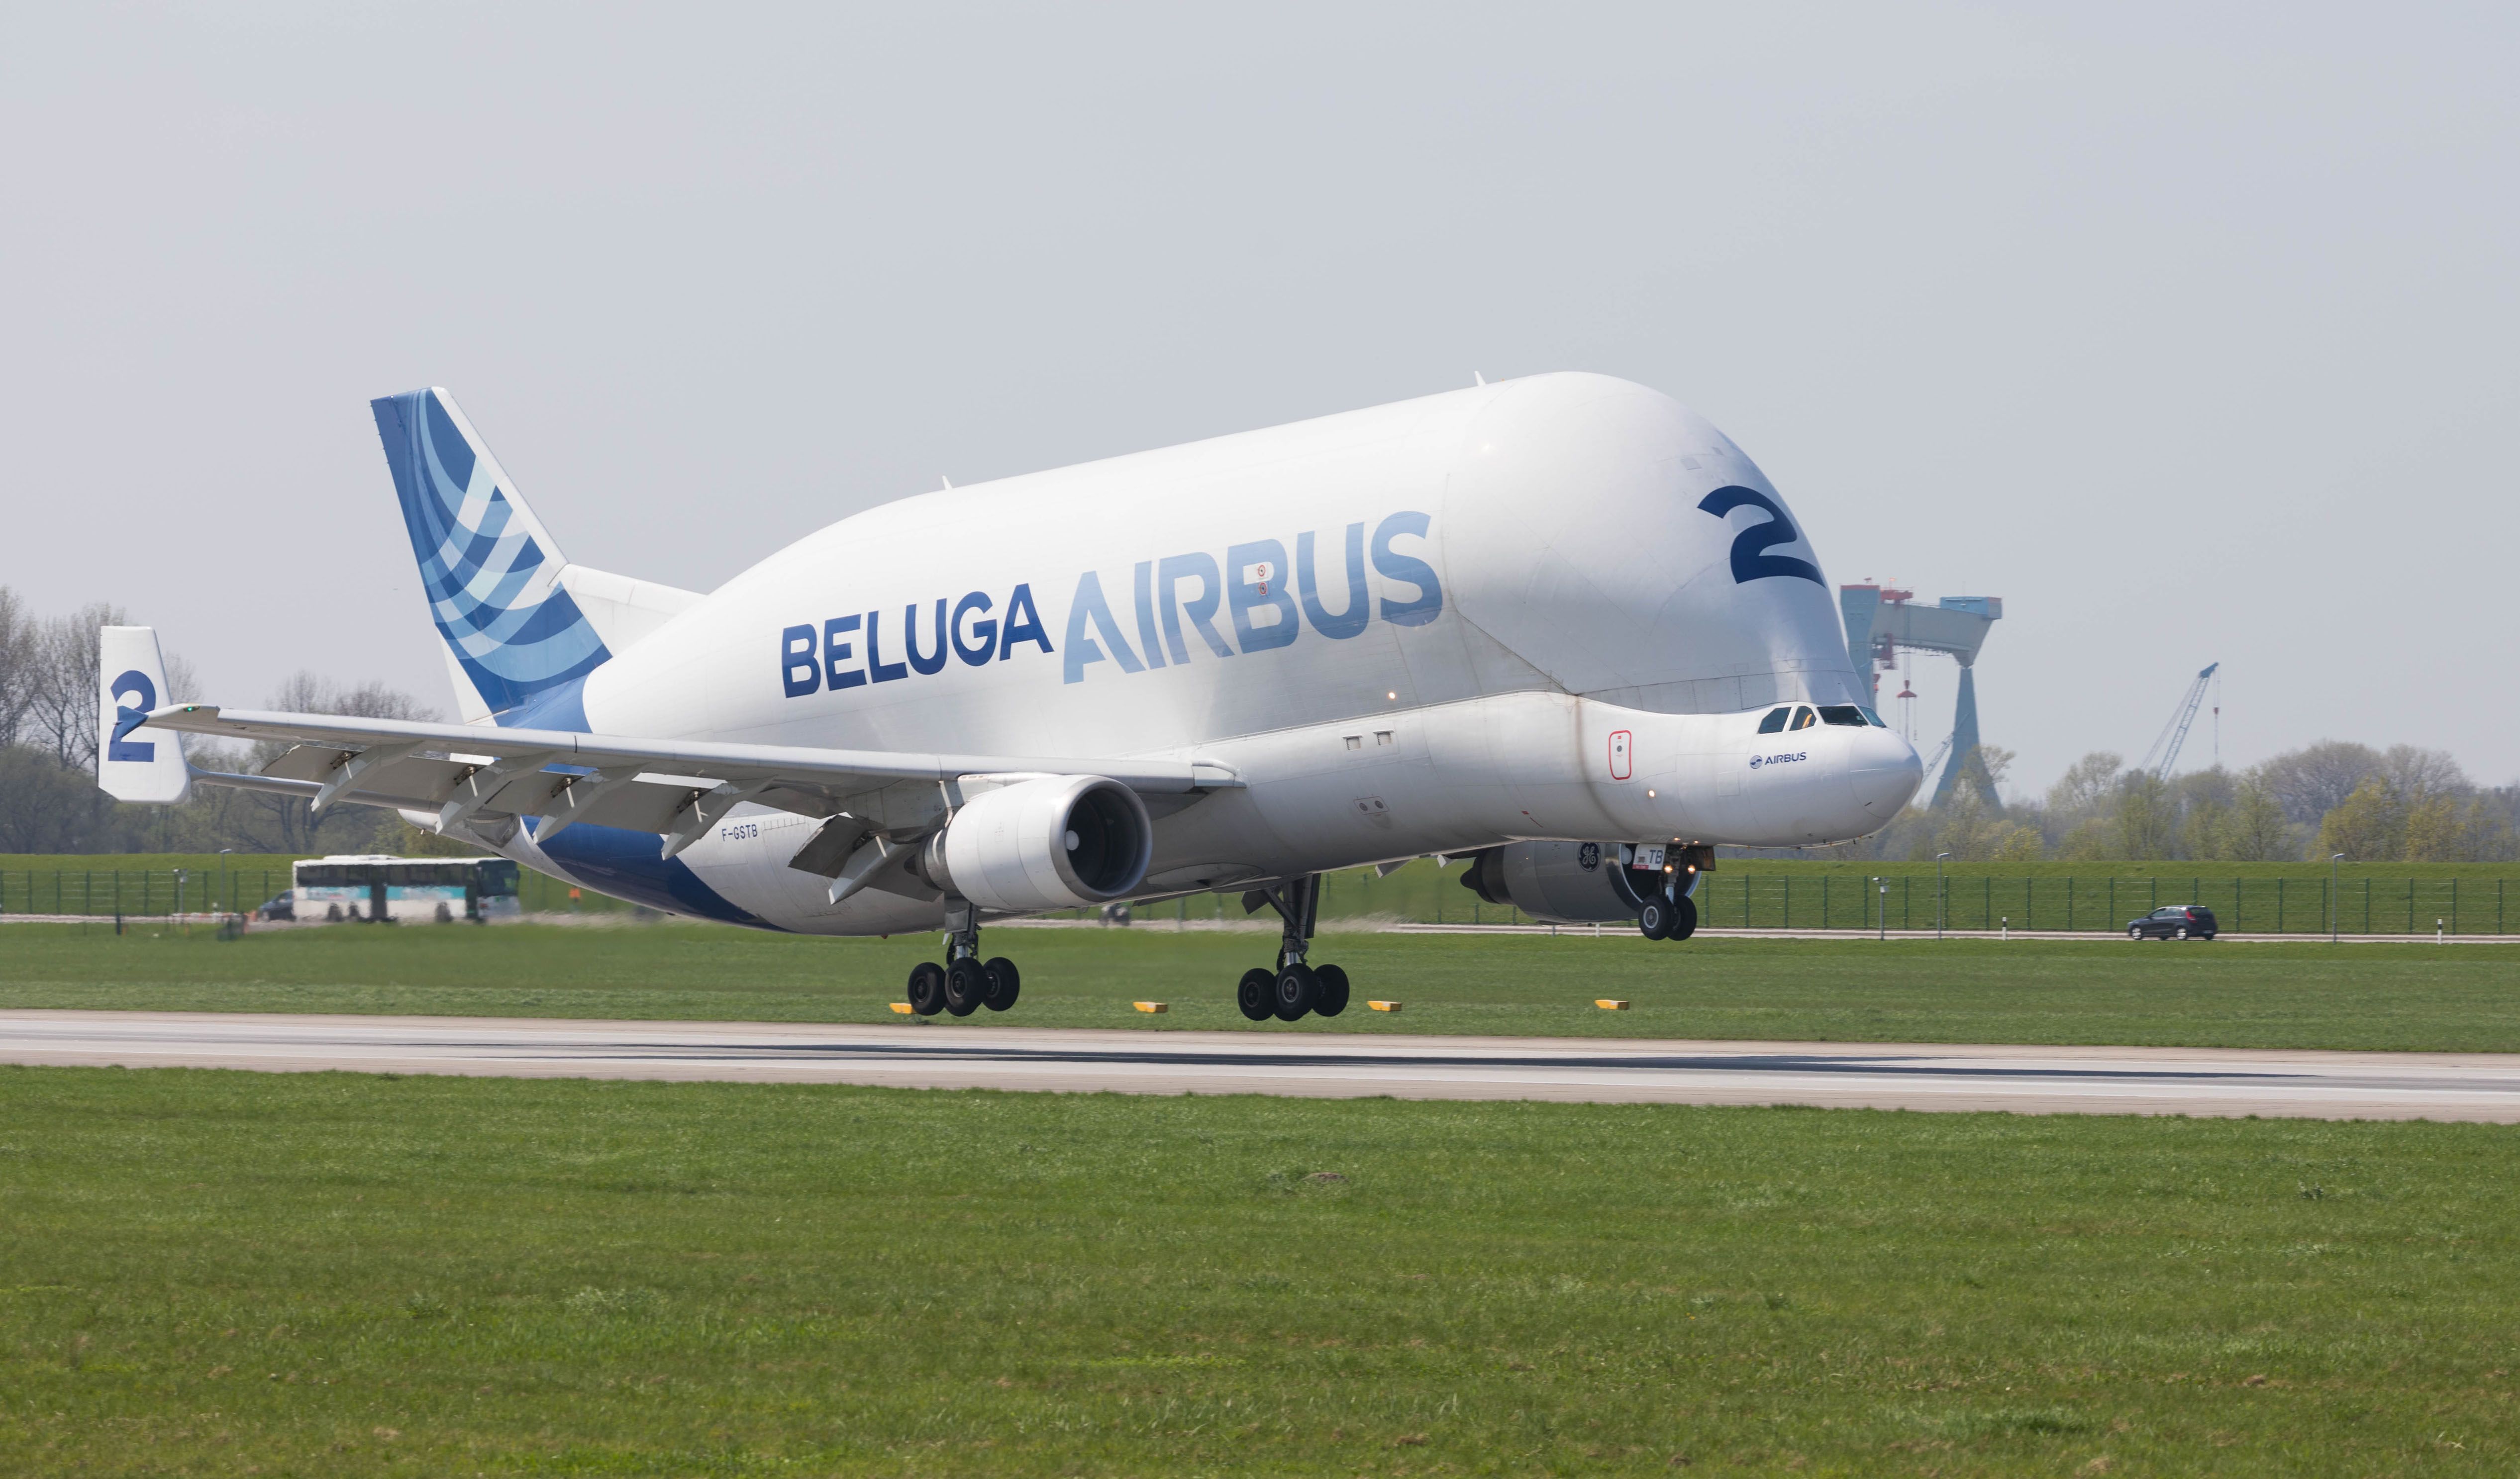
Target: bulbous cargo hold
point(1058, 842)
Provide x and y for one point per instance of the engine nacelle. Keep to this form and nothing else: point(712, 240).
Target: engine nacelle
point(1059, 842)
point(1555, 882)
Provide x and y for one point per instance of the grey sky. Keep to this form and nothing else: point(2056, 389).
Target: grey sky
point(2189, 331)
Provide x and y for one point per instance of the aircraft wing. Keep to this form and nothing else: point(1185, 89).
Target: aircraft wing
point(678, 787)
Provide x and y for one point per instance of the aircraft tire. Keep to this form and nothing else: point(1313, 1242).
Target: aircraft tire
point(1654, 918)
point(966, 986)
point(926, 989)
point(1294, 991)
point(1252, 996)
point(1332, 999)
point(1683, 918)
point(1004, 984)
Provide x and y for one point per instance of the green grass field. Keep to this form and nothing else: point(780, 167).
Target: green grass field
point(218, 1273)
point(2225, 994)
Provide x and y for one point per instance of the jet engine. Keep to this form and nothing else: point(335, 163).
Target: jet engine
point(1059, 842)
point(1555, 882)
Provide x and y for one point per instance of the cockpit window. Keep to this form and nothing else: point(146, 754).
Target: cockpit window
point(1803, 719)
point(1870, 717)
point(1842, 713)
point(1775, 721)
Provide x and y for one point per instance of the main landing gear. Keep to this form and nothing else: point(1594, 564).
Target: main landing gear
point(1668, 915)
point(964, 983)
point(1295, 987)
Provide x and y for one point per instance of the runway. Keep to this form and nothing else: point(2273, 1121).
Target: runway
point(2209, 1082)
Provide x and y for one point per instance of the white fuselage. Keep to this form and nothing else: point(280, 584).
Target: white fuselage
point(1558, 641)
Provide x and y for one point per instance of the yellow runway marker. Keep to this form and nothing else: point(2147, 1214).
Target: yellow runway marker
point(1608, 1004)
point(1150, 1006)
point(1384, 1005)
point(901, 1008)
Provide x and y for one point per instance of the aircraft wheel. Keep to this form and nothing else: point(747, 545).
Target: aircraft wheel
point(926, 989)
point(1654, 918)
point(1252, 996)
point(967, 985)
point(1294, 992)
point(1005, 983)
point(1683, 918)
point(1332, 999)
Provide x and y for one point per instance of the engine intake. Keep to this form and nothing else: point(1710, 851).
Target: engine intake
point(1555, 882)
point(1059, 842)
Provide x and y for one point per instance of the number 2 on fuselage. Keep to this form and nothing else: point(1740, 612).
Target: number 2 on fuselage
point(1750, 559)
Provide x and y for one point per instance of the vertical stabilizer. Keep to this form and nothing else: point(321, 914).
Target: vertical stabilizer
point(492, 572)
point(133, 763)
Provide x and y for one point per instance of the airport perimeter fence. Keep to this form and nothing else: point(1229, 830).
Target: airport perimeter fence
point(160, 892)
point(2105, 905)
point(1730, 897)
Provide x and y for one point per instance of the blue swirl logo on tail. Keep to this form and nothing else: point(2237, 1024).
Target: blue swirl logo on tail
point(490, 568)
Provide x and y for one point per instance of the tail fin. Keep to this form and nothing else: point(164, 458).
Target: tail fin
point(513, 634)
point(135, 764)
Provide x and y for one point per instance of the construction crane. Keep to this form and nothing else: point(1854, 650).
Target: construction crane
point(1940, 750)
point(2174, 733)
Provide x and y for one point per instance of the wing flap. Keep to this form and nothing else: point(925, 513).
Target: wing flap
point(466, 770)
point(819, 771)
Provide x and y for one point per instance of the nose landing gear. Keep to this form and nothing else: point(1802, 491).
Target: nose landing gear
point(964, 983)
point(1296, 988)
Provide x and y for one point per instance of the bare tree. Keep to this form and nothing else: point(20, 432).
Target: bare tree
point(19, 634)
point(63, 716)
point(2419, 775)
point(280, 823)
point(2316, 780)
point(2087, 786)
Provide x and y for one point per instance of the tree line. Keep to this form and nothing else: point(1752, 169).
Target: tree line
point(49, 722)
point(2399, 805)
point(2404, 804)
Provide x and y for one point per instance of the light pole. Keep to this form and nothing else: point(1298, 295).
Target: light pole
point(1938, 894)
point(1884, 910)
point(2335, 905)
point(226, 893)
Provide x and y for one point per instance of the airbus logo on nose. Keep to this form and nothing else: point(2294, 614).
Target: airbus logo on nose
point(1758, 760)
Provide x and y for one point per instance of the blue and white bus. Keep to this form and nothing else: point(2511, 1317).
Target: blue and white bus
point(404, 890)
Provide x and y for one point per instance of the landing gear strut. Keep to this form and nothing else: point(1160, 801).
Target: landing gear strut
point(1664, 909)
point(964, 983)
point(1295, 987)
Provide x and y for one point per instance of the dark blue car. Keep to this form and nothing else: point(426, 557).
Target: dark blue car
point(2173, 921)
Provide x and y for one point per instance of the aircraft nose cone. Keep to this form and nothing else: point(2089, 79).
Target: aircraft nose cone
point(1885, 772)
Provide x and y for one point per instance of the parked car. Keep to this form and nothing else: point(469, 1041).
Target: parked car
point(282, 907)
point(2175, 921)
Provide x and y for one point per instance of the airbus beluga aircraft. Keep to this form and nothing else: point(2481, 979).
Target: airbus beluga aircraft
point(1560, 627)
